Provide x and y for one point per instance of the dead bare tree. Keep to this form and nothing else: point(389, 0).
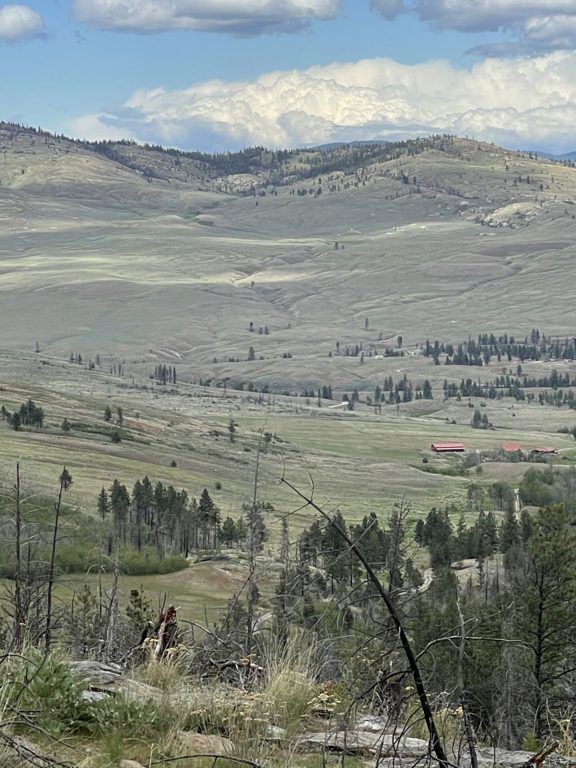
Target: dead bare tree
point(65, 483)
point(252, 551)
point(111, 615)
point(468, 730)
point(26, 599)
point(18, 612)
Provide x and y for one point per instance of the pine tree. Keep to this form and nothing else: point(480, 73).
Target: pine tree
point(228, 533)
point(545, 594)
point(339, 564)
point(256, 527)
point(103, 504)
point(509, 532)
point(209, 518)
point(397, 549)
point(476, 422)
point(372, 541)
point(119, 506)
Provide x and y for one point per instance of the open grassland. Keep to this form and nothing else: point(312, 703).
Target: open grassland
point(200, 593)
point(101, 289)
point(98, 260)
point(170, 272)
point(340, 451)
point(358, 462)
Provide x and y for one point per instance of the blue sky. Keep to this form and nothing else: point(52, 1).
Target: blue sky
point(221, 74)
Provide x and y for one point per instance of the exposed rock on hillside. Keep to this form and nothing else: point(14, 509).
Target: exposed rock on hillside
point(109, 680)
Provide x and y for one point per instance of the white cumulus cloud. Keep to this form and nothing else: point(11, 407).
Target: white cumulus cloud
point(527, 102)
point(537, 25)
point(93, 128)
point(19, 22)
point(243, 17)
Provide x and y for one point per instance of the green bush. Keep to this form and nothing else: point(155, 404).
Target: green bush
point(101, 429)
point(51, 695)
point(148, 561)
point(48, 691)
point(75, 558)
point(136, 719)
point(79, 557)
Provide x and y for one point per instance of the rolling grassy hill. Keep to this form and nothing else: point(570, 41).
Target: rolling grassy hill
point(99, 257)
point(142, 257)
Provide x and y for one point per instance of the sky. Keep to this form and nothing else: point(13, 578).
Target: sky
point(219, 75)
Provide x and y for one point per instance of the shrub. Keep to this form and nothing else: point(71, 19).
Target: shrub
point(136, 719)
point(49, 691)
point(148, 561)
point(75, 558)
point(51, 695)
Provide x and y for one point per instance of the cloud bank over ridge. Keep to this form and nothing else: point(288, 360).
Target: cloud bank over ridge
point(513, 102)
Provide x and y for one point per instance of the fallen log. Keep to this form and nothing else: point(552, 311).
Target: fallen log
point(537, 759)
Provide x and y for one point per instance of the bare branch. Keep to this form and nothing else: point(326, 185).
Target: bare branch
point(240, 760)
point(25, 751)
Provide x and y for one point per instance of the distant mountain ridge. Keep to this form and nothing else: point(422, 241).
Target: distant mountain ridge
point(116, 173)
point(261, 168)
point(560, 158)
point(341, 144)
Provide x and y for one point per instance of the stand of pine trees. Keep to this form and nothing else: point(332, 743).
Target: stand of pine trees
point(166, 518)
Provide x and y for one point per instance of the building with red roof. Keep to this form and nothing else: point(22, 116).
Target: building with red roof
point(448, 447)
point(512, 448)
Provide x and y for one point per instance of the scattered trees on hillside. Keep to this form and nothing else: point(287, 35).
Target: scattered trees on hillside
point(479, 351)
point(523, 650)
point(164, 374)
point(28, 415)
point(480, 420)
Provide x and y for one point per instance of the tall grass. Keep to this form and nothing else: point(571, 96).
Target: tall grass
point(291, 685)
point(103, 732)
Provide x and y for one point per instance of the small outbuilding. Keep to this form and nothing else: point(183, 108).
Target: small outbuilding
point(544, 451)
point(448, 447)
point(512, 448)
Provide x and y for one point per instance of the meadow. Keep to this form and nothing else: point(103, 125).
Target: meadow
point(357, 462)
point(98, 261)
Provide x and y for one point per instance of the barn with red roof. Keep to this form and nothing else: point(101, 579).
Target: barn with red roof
point(448, 447)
